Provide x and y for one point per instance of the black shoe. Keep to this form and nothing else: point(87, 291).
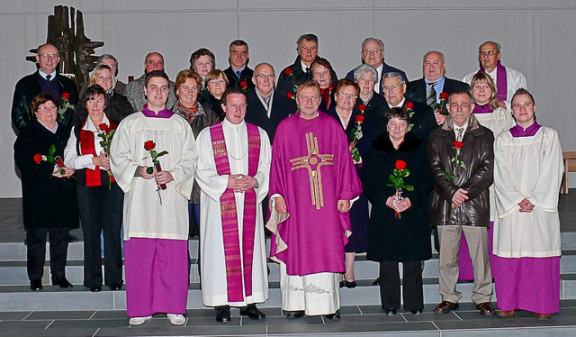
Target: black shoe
point(376, 282)
point(61, 281)
point(341, 284)
point(390, 312)
point(223, 314)
point(335, 315)
point(416, 311)
point(295, 314)
point(96, 289)
point(252, 312)
point(115, 286)
point(72, 238)
point(36, 285)
point(351, 284)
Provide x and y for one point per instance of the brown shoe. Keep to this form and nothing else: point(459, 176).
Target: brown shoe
point(506, 313)
point(445, 307)
point(485, 308)
point(542, 316)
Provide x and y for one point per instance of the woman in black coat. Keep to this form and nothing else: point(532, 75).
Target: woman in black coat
point(399, 229)
point(48, 193)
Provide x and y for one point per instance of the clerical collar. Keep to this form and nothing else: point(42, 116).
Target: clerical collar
point(165, 113)
point(530, 131)
point(43, 74)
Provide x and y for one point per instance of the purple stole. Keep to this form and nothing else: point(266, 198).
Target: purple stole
point(228, 212)
point(501, 81)
point(482, 109)
point(530, 131)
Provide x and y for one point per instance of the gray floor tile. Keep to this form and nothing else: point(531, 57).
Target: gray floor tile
point(210, 321)
point(44, 315)
point(74, 324)
point(13, 315)
point(431, 316)
point(110, 314)
point(24, 324)
point(48, 333)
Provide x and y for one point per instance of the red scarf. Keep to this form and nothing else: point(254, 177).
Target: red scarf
point(325, 93)
point(93, 178)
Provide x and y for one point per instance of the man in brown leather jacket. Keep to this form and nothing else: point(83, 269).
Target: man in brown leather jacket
point(462, 159)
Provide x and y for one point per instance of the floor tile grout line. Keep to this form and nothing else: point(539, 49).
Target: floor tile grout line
point(46, 328)
point(96, 332)
point(93, 314)
point(30, 314)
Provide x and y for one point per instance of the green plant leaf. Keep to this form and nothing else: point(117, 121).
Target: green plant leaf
point(52, 150)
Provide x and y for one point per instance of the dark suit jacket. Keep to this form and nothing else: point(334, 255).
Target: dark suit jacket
point(256, 114)
point(385, 69)
point(423, 120)
point(416, 90)
point(374, 105)
point(245, 75)
point(286, 83)
point(28, 88)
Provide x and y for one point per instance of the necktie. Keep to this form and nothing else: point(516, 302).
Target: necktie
point(48, 77)
point(307, 73)
point(431, 95)
point(459, 132)
point(238, 74)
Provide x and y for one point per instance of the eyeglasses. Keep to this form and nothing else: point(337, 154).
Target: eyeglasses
point(48, 108)
point(391, 88)
point(217, 82)
point(268, 76)
point(46, 55)
point(487, 53)
point(371, 51)
point(347, 95)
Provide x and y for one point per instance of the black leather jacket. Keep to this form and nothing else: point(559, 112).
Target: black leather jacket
point(478, 156)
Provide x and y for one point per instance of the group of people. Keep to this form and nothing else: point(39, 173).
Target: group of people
point(226, 154)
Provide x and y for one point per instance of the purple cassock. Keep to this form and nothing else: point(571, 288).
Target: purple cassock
point(312, 169)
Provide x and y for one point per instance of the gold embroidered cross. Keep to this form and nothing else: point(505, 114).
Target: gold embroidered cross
point(313, 161)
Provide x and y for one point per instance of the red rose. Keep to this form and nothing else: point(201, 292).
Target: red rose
point(400, 164)
point(66, 95)
point(444, 96)
point(103, 127)
point(360, 118)
point(288, 71)
point(458, 144)
point(37, 158)
point(290, 94)
point(149, 145)
point(59, 161)
point(362, 107)
point(409, 105)
point(244, 84)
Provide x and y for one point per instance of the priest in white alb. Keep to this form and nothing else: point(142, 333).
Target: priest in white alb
point(233, 173)
point(527, 176)
point(155, 219)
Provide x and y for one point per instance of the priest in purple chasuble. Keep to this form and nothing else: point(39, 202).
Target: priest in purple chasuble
point(233, 173)
point(527, 247)
point(155, 219)
point(312, 184)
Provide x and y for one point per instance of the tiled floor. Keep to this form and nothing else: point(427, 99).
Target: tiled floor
point(356, 320)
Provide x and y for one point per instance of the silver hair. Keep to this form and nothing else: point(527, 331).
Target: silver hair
point(393, 74)
point(496, 44)
point(368, 39)
point(364, 68)
point(437, 52)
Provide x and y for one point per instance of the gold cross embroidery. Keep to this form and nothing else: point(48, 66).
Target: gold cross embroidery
point(313, 162)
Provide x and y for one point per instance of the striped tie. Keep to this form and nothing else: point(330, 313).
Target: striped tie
point(431, 95)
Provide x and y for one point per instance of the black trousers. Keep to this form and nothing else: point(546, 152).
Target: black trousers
point(413, 294)
point(36, 252)
point(101, 212)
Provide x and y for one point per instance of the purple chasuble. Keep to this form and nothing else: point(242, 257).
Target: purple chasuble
point(501, 81)
point(229, 214)
point(482, 109)
point(312, 169)
point(530, 131)
point(161, 114)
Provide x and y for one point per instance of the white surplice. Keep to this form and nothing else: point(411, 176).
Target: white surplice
point(531, 168)
point(213, 266)
point(514, 81)
point(144, 217)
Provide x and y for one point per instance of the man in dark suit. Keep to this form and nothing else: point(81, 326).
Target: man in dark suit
point(421, 115)
point(45, 80)
point(238, 71)
point(428, 89)
point(293, 75)
point(373, 55)
point(266, 106)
